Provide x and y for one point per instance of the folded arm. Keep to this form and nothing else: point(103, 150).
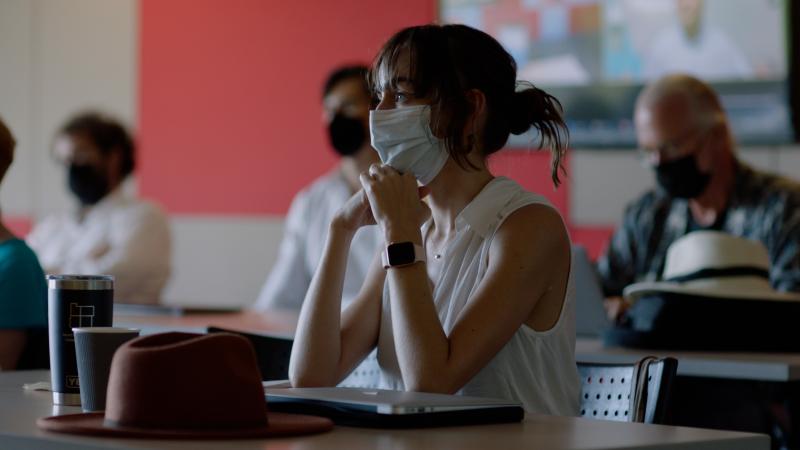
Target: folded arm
point(328, 342)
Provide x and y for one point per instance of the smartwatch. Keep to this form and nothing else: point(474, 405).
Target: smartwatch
point(399, 254)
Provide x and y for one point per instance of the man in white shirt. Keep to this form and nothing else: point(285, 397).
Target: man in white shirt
point(111, 232)
point(346, 101)
point(696, 47)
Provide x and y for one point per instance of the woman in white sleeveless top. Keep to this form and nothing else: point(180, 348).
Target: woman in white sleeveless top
point(473, 293)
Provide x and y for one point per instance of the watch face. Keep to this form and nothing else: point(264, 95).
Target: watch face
point(401, 253)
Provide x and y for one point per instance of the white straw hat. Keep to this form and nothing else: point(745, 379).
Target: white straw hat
point(714, 264)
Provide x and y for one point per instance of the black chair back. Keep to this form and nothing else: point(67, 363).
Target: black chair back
point(627, 392)
point(36, 354)
point(272, 353)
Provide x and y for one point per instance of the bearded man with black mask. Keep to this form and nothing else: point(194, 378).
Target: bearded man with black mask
point(684, 137)
point(110, 231)
point(346, 101)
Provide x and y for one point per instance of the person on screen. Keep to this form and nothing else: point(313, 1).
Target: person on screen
point(694, 45)
point(346, 101)
point(110, 232)
point(23, 291)
point(473, 292)
point(685, 139)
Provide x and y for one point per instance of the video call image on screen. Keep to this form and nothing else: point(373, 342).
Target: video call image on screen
point(595, 56)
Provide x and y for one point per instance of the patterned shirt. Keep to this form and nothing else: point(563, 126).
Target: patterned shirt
point(762, 207)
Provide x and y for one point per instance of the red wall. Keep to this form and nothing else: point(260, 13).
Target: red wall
point(230, 100)
point(230, 94)
point(19, 225)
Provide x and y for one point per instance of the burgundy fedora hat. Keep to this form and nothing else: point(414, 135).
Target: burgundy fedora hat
point(185, 386)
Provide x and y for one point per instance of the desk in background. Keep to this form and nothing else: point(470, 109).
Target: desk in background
point(281, 323)
point(756, 392)
point(775, 367)
point(19, 411)
point(770, 367)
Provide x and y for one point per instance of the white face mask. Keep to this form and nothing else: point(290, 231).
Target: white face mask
point(404, 141)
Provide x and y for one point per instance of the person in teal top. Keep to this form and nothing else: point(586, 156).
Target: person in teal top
point(23, 291)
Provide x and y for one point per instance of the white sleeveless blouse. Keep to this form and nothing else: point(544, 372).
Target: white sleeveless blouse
point(535, 368)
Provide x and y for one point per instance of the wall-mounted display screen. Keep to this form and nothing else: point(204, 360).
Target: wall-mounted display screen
point(595, 56)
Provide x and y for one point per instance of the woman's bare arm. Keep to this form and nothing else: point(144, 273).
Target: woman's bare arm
point(528, 253)
point(329, 342)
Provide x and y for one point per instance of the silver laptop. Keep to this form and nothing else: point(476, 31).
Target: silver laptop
point(590, 315)
point(385, 401)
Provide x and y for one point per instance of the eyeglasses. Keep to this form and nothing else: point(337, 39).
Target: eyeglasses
point(686, 144)
point(65, 152)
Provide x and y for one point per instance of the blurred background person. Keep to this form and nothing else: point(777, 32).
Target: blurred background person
point(346, 101)
point(684, 137)
point(23, 291)
point(694, 45)
point(110, 232)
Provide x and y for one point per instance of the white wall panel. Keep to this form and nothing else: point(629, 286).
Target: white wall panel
point(221, 260)
point(85, 57)
point(763, 158)
point(603, 183)
point(16, 84)
point(789, 162)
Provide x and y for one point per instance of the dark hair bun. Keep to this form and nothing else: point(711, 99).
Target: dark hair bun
point(533, 107)
point(524, 110)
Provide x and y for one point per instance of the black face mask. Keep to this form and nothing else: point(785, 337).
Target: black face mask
point(347, 135)
point(681, 178)
point(87, 184)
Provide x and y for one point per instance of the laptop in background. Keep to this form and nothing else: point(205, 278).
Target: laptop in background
point(272, 352)
point(393, 409)
point(134, 309)
point(590, 315)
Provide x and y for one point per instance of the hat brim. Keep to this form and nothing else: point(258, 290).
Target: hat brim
point(280, 424)
point(638, 290)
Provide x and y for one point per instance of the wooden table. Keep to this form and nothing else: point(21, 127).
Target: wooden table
point(19, 410)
